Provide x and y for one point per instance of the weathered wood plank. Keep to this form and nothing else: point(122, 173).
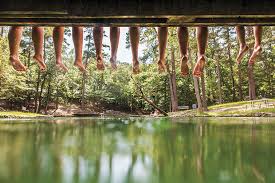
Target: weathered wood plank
point(137, 12)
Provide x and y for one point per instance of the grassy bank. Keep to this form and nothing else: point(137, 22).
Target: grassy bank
point(17, 114)
point(257, 108)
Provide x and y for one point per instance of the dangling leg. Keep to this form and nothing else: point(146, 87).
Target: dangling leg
point(58, 37)
point(134, 40)
point(257, 46)
point(162, 38)
point(14, 36)
point(183, 43)
point(38, 40)
point(243, 47)
point(114, 39)
point(98, 38)
point(78, 44)
point(202, 36)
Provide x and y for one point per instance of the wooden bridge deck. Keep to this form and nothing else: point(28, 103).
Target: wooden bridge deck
point(137, 12)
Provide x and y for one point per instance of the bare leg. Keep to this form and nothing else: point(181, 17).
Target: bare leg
point(58, 37)
point(162, 38)
point(183, 43)
point(202, 36)
point(14, 36)
point(98, 37)
point(38, 40)
point(134, 40)
point(114, 39)
point(78, 44)
point(243, 47)
point(257, 46)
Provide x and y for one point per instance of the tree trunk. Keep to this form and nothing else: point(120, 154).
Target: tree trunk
point(172, 83)
point(38, 107)
point(196, 85)
point(230, 64)
point(2, 31)
point(218, 70)
point(37, 92)
point(84, 76)
point(28, 80)
point(240, 82)
point(148, 100)
point(203, 90)
point(197, 93)
point(154, 105)
point(57, 98)
point(251, 80)
point(41, 93)
point(48, 95)
point(268, 75)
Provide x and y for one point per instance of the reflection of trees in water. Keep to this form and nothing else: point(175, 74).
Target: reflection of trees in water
point(258, 175)
point(167, 152)
point(131, 167)
point(199, 151)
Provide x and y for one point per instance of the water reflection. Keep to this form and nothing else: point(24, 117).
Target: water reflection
point(137, 150)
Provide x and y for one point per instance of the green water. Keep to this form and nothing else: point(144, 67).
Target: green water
point(81, 150)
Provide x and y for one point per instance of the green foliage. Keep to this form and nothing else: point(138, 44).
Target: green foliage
point(117, 90)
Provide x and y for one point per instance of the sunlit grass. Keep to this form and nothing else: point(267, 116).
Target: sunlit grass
point(251, 112)
point(17, 114)
point(237, 109)
point(234, 104)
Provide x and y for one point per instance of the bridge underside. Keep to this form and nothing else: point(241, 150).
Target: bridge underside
point(137, 12)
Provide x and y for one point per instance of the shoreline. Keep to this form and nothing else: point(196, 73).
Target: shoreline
point(28, 115)
point(256, 108)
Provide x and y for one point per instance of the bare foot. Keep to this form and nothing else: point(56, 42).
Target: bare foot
point(17, 65)
point(80, 66)
point(61, 66)
point(242, 53)
point(113, 63)
point(256, 52)
point(136, 69)
point(198, 69)
point(40, 61)
point(99, 64)
point(184, 69)
point(161, 66)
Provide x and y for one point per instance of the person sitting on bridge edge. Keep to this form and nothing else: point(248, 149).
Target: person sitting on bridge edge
point(243, 46)
point(162, 39)
point(58, 37)
point(78, 45)
point(183, 45)
point(98, 38)
point(15, 35)
point(114, 39)
point(202, 38)
point(134, 41)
